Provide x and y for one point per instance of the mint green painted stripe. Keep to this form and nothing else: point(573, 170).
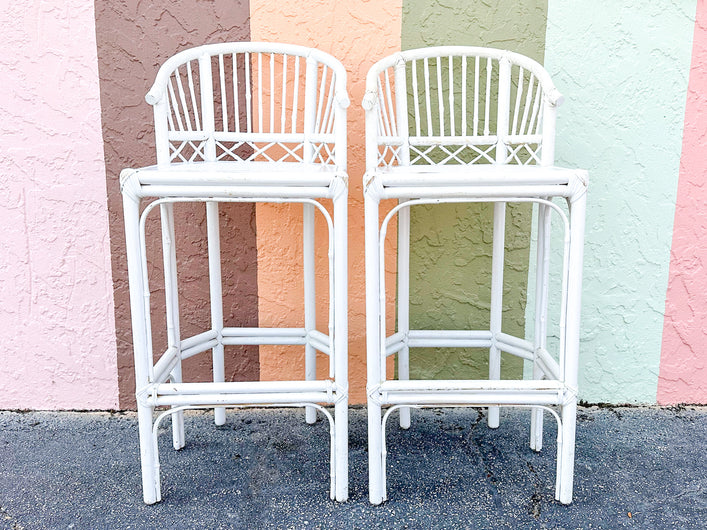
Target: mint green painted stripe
point(623, 68)
point(451, 245)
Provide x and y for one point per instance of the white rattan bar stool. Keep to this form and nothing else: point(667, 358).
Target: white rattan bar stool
point(460, 125)
point(241, 122)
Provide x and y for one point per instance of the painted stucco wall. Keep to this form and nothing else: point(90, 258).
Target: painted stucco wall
point(450, 258)
point(623, 69)
point(683, 365)
point(56, 295)
point(134, 38)
point(74, 75)
point(357, 32)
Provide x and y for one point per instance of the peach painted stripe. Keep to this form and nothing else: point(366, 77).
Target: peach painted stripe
point(683, 363)
point(358, 33)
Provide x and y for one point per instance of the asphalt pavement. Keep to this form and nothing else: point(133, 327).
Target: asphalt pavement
point(642, 467)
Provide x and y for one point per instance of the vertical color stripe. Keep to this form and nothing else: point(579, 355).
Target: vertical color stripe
point(623, 71)
point(683, 364)
point(134, 39)
point(357, 33)
point(57, 333)
point(450, 258)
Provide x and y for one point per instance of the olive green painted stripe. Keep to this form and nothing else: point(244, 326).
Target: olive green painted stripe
point(450, 263)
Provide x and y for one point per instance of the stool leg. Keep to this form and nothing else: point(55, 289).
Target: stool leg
point(310, 314)
point(563, 492)
point(178, 439)
point(542, 279)
point(499, 233)
point(140, 320)
point(574, 293)
point(216, 295)
point(373, 355)
point(404, 303)
point(341, 411)
point(148, 458)
point(169, 255)
point(341, 367)
point(536, 426)
point(376, 493)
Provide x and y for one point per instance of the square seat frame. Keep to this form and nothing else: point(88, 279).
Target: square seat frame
point(241, 123)
point(432, 138)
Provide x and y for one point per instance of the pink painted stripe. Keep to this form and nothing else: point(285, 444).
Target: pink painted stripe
point(683, 364)
point(56, 295)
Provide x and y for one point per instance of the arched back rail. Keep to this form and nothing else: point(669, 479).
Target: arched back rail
point(460, 105)
point(247, 102)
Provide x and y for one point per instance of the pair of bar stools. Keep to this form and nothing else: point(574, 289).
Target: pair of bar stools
point(259, 122)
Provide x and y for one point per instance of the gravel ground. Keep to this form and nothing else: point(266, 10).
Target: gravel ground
point(635, 467)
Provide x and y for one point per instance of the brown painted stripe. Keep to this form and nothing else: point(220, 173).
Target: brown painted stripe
point(133, 39)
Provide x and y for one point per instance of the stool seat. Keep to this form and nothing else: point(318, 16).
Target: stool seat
point(234, 173)
point(448, 181)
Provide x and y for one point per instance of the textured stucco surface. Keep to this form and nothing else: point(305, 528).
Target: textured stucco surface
point(622, 67)
point(134, 38)
point(451, 244)
point(683, 364)
point(623, 70)
point(358, 33)
point(57, 333)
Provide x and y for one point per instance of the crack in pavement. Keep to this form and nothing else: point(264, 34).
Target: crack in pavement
point(10, 519)
point(536, 499)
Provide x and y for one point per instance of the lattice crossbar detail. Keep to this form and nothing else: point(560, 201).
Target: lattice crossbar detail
point(464, 154)
point(186, 151)
point(389, 155)
point(260, 151)
point(324, 153)
point(523, 154)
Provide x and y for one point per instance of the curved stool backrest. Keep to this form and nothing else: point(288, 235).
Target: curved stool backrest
point(459, 105)
point(249, 101)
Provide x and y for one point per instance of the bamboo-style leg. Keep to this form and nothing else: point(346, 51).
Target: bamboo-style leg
point(148, 456)
point(140, 319)
point(571, 352)
point(542, 280)
point(169, 255)
point(340, 353)
point(499, 232)
point(178, 438)
point(216, 296)
point(565, 456)
point(404, 303)
point(310, 313)
point(373, 356)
